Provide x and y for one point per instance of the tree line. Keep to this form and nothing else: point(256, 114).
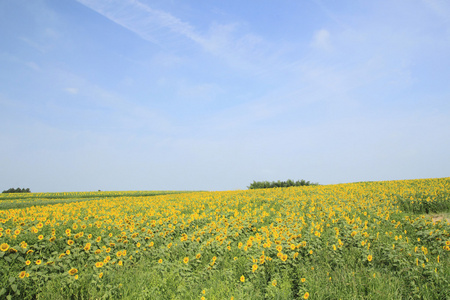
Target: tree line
point(274, 184)
point(18, 190)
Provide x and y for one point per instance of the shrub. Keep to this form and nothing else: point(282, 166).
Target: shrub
point(18, 190)
point(273, 184)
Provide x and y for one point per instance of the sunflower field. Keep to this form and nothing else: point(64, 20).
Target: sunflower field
point(368, 240)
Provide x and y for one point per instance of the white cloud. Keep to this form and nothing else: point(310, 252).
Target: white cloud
point(241, 51)
point(441, 8)
point(203, 92)
point(72, 90)
point(322, 40)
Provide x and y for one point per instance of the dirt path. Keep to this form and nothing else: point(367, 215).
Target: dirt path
point(440, 217)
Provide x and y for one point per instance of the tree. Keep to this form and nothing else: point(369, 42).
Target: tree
point(18, 190)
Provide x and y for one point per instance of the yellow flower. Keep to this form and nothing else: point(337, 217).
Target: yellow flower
point(186, 260)
point(369, 258)
point(100, 275)
point(73, 271)
point(4, 247)
point(242, 279)
point(306, 295)
point(28, 262)
point(120, 263)
point(22, 274)
point(38, 262)
point(99, 264)
point(160, 261)
point(274, 282)
point(254, 268)
point(198, 256)
point(70, 242)
point(67, 252)
point(303, 279)
point(87, 247)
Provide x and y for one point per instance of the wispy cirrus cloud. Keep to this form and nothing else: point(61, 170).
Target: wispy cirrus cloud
point(238, 49)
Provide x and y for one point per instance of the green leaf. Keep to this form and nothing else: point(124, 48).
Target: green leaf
point(14, 287)
point(2, 291)
point(12, 279)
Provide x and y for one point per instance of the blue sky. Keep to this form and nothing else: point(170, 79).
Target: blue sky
point(211, 95)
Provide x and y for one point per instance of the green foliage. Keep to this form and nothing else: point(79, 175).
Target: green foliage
point(18, 190)
point(275, 184)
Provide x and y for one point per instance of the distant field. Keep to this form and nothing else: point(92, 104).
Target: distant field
point(367, 240)
point(21, 200)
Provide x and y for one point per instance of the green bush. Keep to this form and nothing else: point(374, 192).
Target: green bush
point(18, 190)
point(274, 184)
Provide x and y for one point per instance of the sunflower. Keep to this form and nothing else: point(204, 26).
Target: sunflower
point(254, 268)
point(99, 264)
point(274, 282)
point(73, 271)
point(306, 295)
point(186, 260)
point(369, 257)
point(87, 247)
point(22, 274)
point(242, 279)
point(4, 247)
point(38, 262)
